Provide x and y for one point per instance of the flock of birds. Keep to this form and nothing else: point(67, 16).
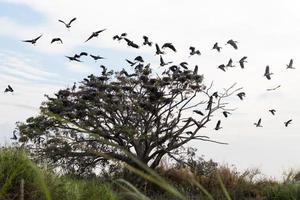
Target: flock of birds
point(160, 50)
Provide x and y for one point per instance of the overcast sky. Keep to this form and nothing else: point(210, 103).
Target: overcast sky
point(267, 32)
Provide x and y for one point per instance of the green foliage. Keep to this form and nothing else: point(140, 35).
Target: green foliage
point(282, 192)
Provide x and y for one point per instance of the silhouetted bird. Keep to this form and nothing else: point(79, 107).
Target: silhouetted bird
point(232, 43)
point(8, 89)
point(81, 54)
point(241, 95)
point(139, 59)
point(130, 62)
point(258, 123)
point(222, 67)
point(242, 61)
point(68, 25)
point(290, 65)
point(218, 125)
point(215, 94)
point(158, 51)
point(229, 64)
point(95, 34)
point(123, 71)
point(14, 136)
point(195, 72)
point(216, 46)
point(272, 111)
point(74, 58)
point(74, 87)
point(274, 88)
point(184, 65)
point(146, 41)
point(163, 63)
point(267, 73)
point(33, 41)
point(56, 40)
point(288, 122)
point(131, 43)
point(226, 113)
point(104, 69)
point(198, 112)
point(194, 51)
point(119, 37)
point(169, 45)
point(209, 103)
point(96, 57)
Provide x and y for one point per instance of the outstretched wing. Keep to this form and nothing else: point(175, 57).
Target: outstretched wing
point(62, 22)
point(170, 46)
point(72, 20)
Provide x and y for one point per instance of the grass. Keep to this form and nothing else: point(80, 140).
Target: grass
point(168, 182)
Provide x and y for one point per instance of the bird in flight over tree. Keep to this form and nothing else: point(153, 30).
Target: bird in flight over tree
point(158, 50)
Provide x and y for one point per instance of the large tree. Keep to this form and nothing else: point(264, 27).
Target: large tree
point(147, 113)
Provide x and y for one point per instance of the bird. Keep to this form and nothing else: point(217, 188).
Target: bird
point(169, 45)
point(195, 72)
point(242, 61)
point(130, 62)
point(222, 67)
point(33, 41)
point(119, 37)
point(56, 40)
point(68, 25)
point(96, 57)
point(288, 122)
point(95, 34)
point(184, 65)
point(139, 59)
point(215, 94)
point(218, 125)
point(14, 136)
point(163, 63)
point(198, 112)
point(194, 51)
point(241, 95)
point(209, 103)
point(226, 113)
point(74, 58)
point(104, 69)
point(123, 71)
point(74, 87)
point(216, 46)
point(290, 65)
point(232, 43)
point(131, 43)
point(229, 64)
point(267, 73)
point(146, 41)
point(81, 54)
point(272, 111)
point(8, 89)
point(158, 51)
point(274, 88)
point(258, 123)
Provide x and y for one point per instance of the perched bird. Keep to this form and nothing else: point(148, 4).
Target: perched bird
point(56, 40)
point(232, 43)
point(195, 72)
point(95, 34)
point(258, 123)
point(96, 57)
point(241, 95)
point(33, 41)
point(194, 51)
point(158, 51)
point(139, 59)
point(290, 65)
point(74, 87)
point(226, 113)
point(8, 89)
point(123, 71)
point(242, 61)
point(130, 43)
point(216, 46)
point(169, 45)
point(74, 58)
point(163, 63)
point(267, 73)
point(146, 41)
point(68, 25)
point(272, 111)
point(288, 122)
point(184, 65)
point(14, 136)
point(222, 67)
point(215, 94)
point(198, 112)
point(209, 103)
point(218, 125)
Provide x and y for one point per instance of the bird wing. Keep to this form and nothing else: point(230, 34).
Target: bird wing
point(170, 46)
point(72, 20)
point(27, 41)
point(157, 48)
point(38, 37)
point(97, 32)
point(90, 37)
point(62, 22)
point(10, 88)
point(161, 61)
point(233, 44)
point(83, 54)
point(218, 124)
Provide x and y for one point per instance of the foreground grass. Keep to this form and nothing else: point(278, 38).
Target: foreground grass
point(166, 183)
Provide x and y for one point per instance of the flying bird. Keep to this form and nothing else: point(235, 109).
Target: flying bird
point(198, 112)
point(96, 57)
point(216, 46)
point(288, 122)
point(232, 43)
point(218, 125)
point(169, 45)
point(272, 111)
point(119, 37)
point(8, 89)
point(222, 67)
point(104, 69)
point(56, 40)
point(267, 73)
point(163, 63)
point(258, 123)
point(158, 51)
point(229, 64)
point(130, 62)
point(68, 25)
point(33, 41)
point(95, 34)
point(194, 51)
point(139, 59)
point(131, 43)
point(146, 41)
point(274, 88)
point(73, 58)
point(184, 65)
point(290, 65)
point(226, 113)
point(241, 95)
point(242, 61)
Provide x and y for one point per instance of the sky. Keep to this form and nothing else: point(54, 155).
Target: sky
point(267, 33)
